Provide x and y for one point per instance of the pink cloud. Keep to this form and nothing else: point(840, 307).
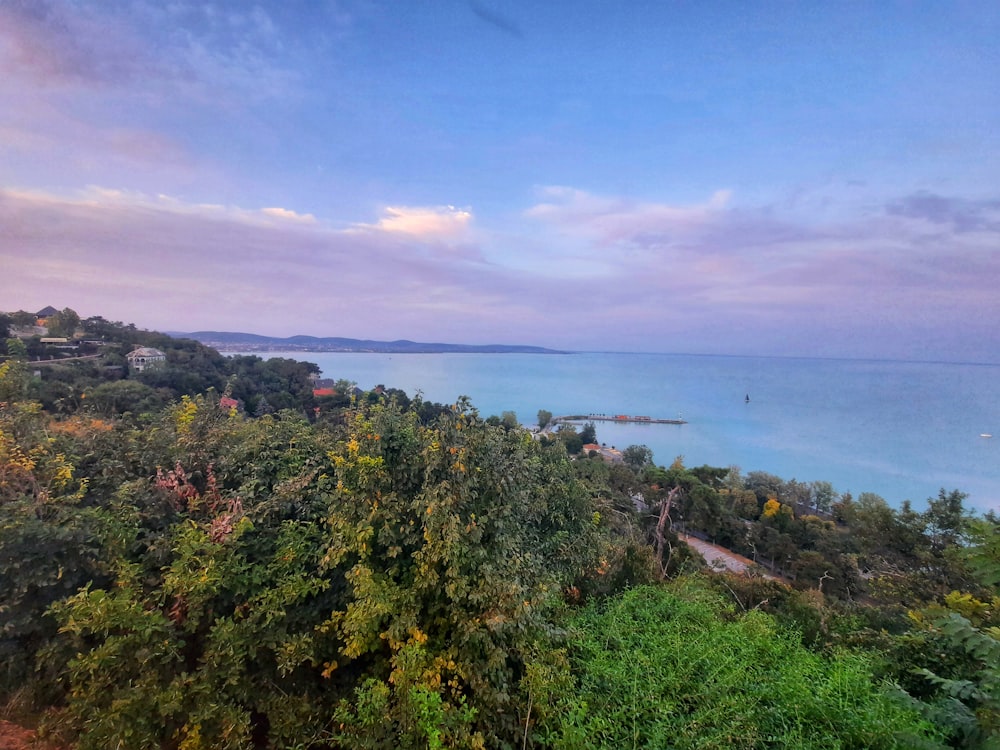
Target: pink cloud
point(57, 44)
point(199, 266)
point(429, 222)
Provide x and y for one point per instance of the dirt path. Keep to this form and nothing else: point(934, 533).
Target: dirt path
point(720, 557)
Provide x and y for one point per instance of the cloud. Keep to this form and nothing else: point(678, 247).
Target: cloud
point(614, 219)
point(129, 93)
point(166, 263)
point(962, 215)
point(856, 281)
point(288, 215)
point(58, 43)
point(428, 222)
point(149, 50)
point(730, 279)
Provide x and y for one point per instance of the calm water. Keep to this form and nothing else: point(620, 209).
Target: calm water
point(900, 429)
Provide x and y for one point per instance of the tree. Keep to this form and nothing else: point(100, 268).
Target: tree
point(391, 587)
point(49, 544)
point(544, 417)
point(946, 518)
point(13, 372)
point(638, 456)
point(454, 536)
point(571, 439)
point(823, 496)
point(962, 640)
point(120, 396)
point(764, 485)
point(588, 433)
point(63, 323)
point(23, 319)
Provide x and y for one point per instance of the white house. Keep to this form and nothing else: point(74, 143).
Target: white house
point(143, 357)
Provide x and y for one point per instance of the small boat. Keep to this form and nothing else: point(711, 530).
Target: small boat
point(985, 435)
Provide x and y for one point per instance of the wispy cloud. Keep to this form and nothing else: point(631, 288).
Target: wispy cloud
point(52, 43)
point(615, 219)
point(961, 215)
point(175, 46)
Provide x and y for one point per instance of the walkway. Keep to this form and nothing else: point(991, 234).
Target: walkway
point(720, 557)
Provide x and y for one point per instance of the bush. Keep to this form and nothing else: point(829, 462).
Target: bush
point(675, 667)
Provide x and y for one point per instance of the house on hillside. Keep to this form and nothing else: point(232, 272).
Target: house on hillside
point(44, 314)
point(610, 455)
point(143, 357)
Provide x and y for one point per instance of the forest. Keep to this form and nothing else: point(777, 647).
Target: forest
point(206, 554)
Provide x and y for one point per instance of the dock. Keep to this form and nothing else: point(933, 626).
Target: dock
point(619, 418)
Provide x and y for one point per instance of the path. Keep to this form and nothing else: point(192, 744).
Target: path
point(717, 556)
point(60, 360)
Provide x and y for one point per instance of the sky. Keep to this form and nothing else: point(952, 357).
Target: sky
point(800, 179)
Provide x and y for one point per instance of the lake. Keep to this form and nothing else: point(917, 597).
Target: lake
point(900, 429)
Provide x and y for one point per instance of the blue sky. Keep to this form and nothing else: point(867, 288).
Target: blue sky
point(818, 179)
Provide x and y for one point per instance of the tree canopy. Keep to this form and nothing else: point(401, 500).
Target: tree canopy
point(250, 566)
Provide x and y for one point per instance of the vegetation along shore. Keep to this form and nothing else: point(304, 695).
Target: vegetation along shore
point(201, 551)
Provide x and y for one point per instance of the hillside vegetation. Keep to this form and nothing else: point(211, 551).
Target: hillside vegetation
point(186, 568)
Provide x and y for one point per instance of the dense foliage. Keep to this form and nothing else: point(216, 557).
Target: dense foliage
point(674, 668)
point(208, 556)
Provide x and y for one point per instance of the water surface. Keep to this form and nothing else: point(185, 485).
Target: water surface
point(900, 429)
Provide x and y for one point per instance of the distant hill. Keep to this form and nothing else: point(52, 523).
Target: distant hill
point(244, 342)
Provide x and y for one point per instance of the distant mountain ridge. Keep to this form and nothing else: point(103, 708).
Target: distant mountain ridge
point(235, 341)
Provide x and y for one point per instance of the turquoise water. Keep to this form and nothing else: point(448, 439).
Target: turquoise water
point(900, 429)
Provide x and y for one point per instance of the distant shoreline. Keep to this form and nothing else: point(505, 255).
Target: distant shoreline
point(236, 349)
point(232, 342)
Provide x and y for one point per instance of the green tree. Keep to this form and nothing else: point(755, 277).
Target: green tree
point(49, 541)
point(455, 537)
point(588, 433)
point(544, 417)
point(957, 646)
point(63, 323)
point(637, 456)
point(392, 587)
point(23, 319)
point(120, 396)
point(823, 496)
point(571, 439)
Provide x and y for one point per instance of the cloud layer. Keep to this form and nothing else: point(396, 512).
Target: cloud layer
point(645, 275)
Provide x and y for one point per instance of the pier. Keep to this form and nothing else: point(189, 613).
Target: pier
point(619, 418)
